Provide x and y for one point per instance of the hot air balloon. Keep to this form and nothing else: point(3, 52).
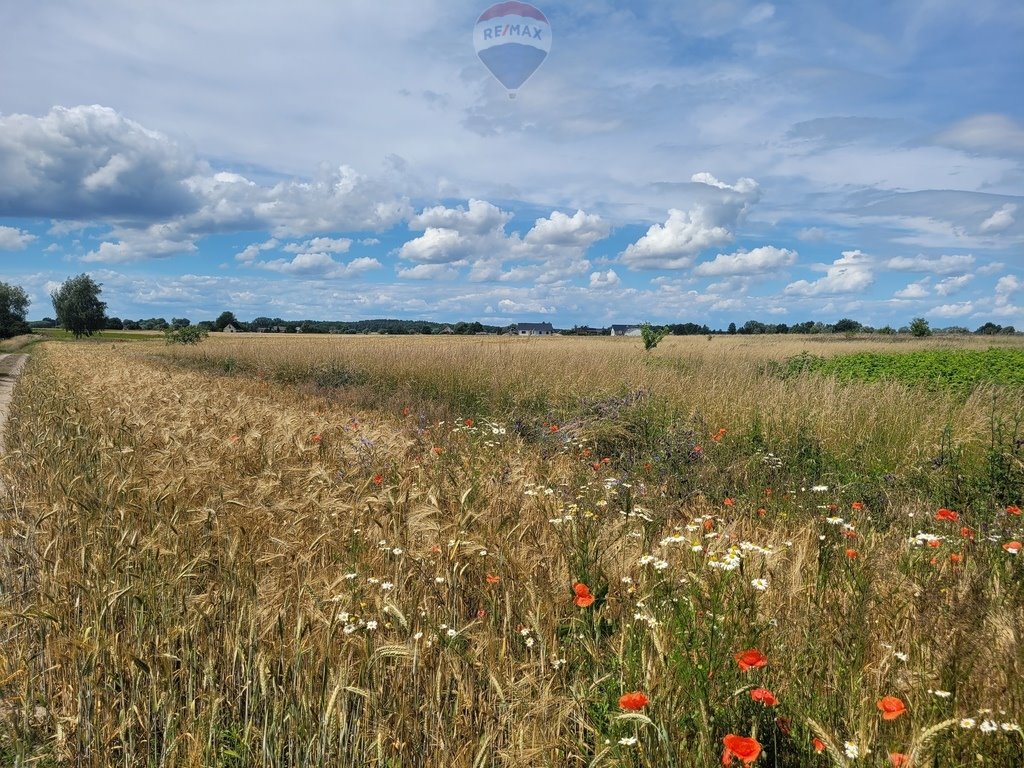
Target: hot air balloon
point(512, 39)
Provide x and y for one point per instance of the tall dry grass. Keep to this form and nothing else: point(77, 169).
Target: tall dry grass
point(225, 570)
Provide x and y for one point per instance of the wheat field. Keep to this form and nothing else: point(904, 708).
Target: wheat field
point(503, 552)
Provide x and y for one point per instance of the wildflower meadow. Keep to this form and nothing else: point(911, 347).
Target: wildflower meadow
point(381, 551)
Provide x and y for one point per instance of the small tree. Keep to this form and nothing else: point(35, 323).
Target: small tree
point(78, 306)
point(652, 335)
point(13, 306)
point(919, 327)
point(185, 334)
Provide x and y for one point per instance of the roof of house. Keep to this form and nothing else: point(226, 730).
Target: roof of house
point(534, 326)
point(625, 327)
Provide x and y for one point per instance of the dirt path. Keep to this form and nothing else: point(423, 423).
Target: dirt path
point(10, 367)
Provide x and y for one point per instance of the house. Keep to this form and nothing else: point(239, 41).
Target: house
point(534, 329)
point(447, 330)
point(625, 330)
point(586, 330)
point(229, 328)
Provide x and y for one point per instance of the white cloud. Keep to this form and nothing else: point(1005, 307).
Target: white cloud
point(674, 244)
point(850, 273)
point(510, 306)
point(251, 252)
point(437, 246)
point(1000, 220)
point(811, 234)
point(320, 245)
point(1006, 286)
point(427, 272)
point(709, 223)
point(604, 279)
point(481, 218)
point(156, 242)
point(319, 265)
point(753, 262)
point(988, 133)
point(939, 265)
point(951, 285)
point(577, 231)
point(916, 290)
point(952, 310)
point(12, 239)
point(991, 268)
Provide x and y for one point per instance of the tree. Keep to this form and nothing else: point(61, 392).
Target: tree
point(13, 306)
point(78, 306)
point(185, 334)
point(919, 327)
point(732, 328)
point(224, 320)
point(180, 322)
point(652, 335)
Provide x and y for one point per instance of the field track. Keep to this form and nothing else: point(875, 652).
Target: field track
point(10, 368)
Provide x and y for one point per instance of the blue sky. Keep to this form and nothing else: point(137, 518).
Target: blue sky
point(669, 161)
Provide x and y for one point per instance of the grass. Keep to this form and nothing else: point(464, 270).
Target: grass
point(363, 552)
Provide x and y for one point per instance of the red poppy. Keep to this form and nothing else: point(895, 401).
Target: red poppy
point(851, 554)
point(956, 557)
point(583, 597)
point(891, 707)
point(764, 696)
point(729, 502)
point(966, 532)
point(857, 506)
point(468, 422)
point(934, 543)
point(554, 427)
point(586, 453)
point(316, 438)
point(634, 701)
point(1013, 509)
point(899, 760)
point(947, 514)
point(709, 524)
point(378, 479)
point(743, 748)
point(818, 744)
point(406, 411)
point(438, 450)
point(750, 659)
point(761, 511)
point(492, 579)
point(1013, 547)
point(697, 450)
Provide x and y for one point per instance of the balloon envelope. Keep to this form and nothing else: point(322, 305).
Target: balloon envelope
point(512, 39)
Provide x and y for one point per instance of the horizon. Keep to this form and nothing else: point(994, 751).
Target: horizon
point(688, 163)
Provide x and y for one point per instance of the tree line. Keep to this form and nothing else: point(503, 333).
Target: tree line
point(80, 311)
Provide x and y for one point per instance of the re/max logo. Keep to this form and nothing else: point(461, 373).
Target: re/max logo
point(518, 30)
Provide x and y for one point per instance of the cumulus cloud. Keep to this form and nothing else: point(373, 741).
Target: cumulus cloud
point(251, 252)
point(918, 290)
point(850, 273)
point(938, 265)
point(320, 245)
point(675, 244)
point(952, 310)
point(951, 285)
point(479, 219)
point(577, 231)
point(510, 306)
point(319, 265)
point(428, 272)
point(158, 241)
point(89, 161)
point(1007, 285)
point(12, 239)
point(1000, 220)
point(604, 279)
point(753, 262)
point(437, 246)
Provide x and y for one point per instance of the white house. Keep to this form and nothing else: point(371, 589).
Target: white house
point(229, 328)
point(534, 329)
point(625, 330)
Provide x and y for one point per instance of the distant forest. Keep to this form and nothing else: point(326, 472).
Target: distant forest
point(407, 327)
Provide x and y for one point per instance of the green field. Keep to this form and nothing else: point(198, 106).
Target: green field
point(960, 369)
